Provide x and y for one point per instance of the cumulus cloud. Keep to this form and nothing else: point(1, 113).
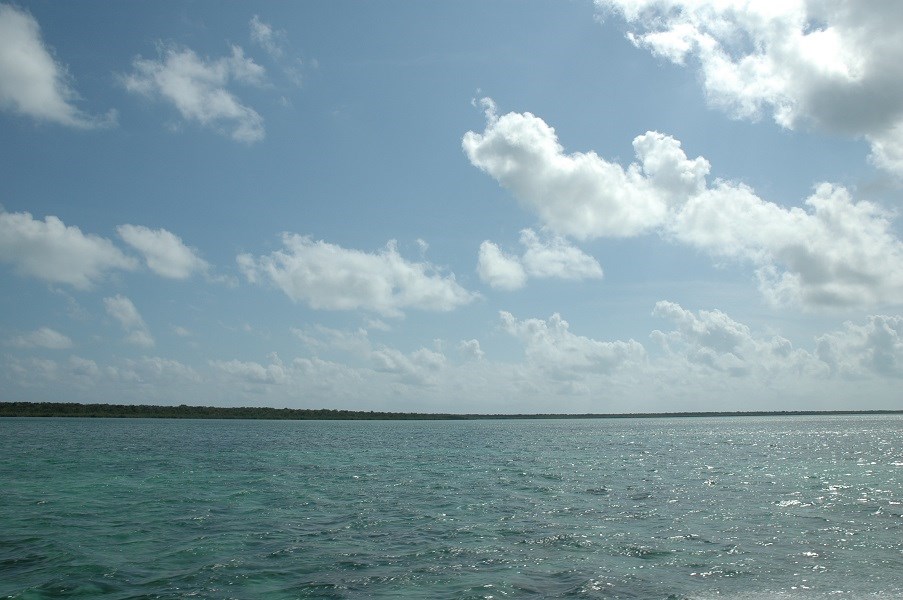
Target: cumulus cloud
point(32, 83)
point(164, 252)
point(470, 350)
point(713, 340)
point(836, 252)
point(45, 337)
point(57, 253)
point(875, 347)
point(500, 270)
point(553, 256)
point(576, 194)
point(543, 257)
point(198, 88)
point(122, 310)
point(327, 276)
point(550, 346)
point(829, 63)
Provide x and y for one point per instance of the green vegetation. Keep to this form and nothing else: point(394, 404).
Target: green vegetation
point(183, 411)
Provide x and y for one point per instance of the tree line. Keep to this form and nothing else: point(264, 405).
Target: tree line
point(184, 411)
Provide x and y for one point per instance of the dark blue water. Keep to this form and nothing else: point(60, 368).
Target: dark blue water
point(808, 507)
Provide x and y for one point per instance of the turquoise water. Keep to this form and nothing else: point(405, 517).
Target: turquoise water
point(808, 507)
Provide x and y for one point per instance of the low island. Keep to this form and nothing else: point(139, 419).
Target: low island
point(184, 411)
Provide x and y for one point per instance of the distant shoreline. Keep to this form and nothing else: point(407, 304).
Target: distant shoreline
point(144, 411)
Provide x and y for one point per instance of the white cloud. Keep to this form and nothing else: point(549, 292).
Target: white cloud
point(51, 251)
point(543, 257)
point(839, 252)
point(420, 367)
point(470, 350)
point(555, 257)
point(327, 276)
point(833, 64)
point(147, 380)
point(198, 88)
point(155, 370)
point(121, 308)
point(164, 252)
point(498, 269)
point(873, 348)
point(550, 346)
point(275, 43)
point(32, 371)
point(576, 194)
point(45, 337)
point(32, 83)
point(84, 369)
point(703, 360)
point(251, 372)
point(319, 338)
point(271, 40)
point(713, 340)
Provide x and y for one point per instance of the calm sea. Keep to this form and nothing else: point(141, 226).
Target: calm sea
point(757, 507)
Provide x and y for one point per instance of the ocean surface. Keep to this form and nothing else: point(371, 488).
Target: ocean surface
point(755, 507)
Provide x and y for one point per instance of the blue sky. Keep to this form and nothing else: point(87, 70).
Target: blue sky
point(620, 206)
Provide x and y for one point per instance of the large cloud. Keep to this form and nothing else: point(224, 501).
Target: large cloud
point(197, 87)
point(575, 194)
point(839, 252)
point(875, 347)
point(32, 83)
point(165, 253)
point(327, 276)
point(57, 253)
point(830, 63)
point(713, 340)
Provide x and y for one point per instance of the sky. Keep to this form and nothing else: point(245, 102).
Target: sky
point(480, 207)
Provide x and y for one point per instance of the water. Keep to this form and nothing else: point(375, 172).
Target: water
point(808, 507)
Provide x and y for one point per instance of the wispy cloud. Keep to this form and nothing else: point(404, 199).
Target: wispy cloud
point(121, 308)
point(32, 83)
point(164, 252)
point(45, 337)
point(198, 88)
